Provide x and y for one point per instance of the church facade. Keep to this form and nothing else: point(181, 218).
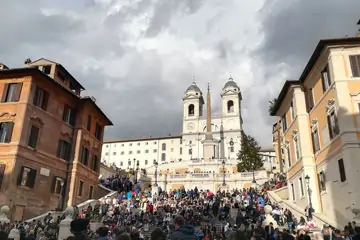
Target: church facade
point(205, 154)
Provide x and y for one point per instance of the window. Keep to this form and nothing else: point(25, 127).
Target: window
point(80, 189)
point(284, 123)
point(163, 157)
point(191, 110)
point(69, 115)
point(61, 76)
point(122, 145)
point(130, 152)
point(91, 192)
point(333, 125)
point(41, 98)
point(33, 136)
point(114, 153)
point(146, 151)
point(230, 106)
point(190, 151)
point(138, 144)
point(163, 147)
point(106, 154)
point(122, 153)
point(27, 177)
point(154, 151)
point(172, 149)
point(181, 141)
point(310, 99)
point(47, 69)
point(107, 146)
point(154, 143)
point(355, 65)
point(180, 151)
point(293, 192)
point(121, 164)
point(315, 140)
point(57, 185)
point(95, 163)
point(325, 79)
point(146, 143)
point(98, 131)
point(6, 129)
point(322, 181)
point(138, 151)
point(292, 110)
point(301, 186)
point(342, 170)
point(2, 173)
point(85, 156)
point(130, 144)
point(11, 92)
point(146, 162)
point(88, 126)
point(297, 148)
point(64, 150)
point(231, 149)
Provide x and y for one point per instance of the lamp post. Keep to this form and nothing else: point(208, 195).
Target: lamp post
point(136, 171)
point(62, 183)
point(253, 174)
point(223, 165)
point(307, 179)
point(156, 167)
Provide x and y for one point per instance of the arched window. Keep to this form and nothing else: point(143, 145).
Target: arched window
point(230, 106)
point(191, 110)
point(163, 146)
point(163, 157)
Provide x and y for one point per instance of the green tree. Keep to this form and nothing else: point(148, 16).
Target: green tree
point(249, 157)
point(271, 105)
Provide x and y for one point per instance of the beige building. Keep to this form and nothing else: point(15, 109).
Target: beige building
point(319, 123)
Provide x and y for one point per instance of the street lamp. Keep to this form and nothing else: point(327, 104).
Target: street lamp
point(223, 165)
point(307, 179)
point(62, 183)
point(156, 167)
point(137, 169)
point(253, 173)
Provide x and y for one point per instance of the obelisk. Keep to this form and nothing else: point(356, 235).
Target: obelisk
point(209, 143)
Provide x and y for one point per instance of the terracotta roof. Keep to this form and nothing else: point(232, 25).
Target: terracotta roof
point(283, 92)
point(29, 71)
point(142, 139)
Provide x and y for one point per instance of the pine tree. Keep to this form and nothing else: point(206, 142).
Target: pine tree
point(249, 156)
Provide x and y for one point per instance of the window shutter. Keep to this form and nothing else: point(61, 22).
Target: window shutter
point(2, 173)
point(20, 176)
point(31, 178)
point(313, 142)
point(36, 95)
point(72, 117)
point(58, 154)
point(10, 127)
point(6, 88)
point(45, 100)
point(53, 184)
point(68, 151)
point(330, 127)
point(355, 65)
point(18, 92)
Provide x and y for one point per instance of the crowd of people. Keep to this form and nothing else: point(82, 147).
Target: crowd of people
point(197, 214)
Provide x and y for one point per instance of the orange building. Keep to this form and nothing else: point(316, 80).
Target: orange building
point(50, 139)
point(320, 131)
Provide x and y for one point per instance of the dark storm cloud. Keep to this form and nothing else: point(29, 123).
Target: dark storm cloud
point(292, 29)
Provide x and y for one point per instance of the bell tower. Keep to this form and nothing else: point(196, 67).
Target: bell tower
point(193, 108)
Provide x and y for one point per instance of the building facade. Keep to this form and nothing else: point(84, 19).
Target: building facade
point(204, 155)
point(51, 139)
point(318, 120)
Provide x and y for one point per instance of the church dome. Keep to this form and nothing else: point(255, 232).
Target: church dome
point(193, 88)
point(231, 84)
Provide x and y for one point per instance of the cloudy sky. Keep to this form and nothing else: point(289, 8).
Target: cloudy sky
point(138, 56)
